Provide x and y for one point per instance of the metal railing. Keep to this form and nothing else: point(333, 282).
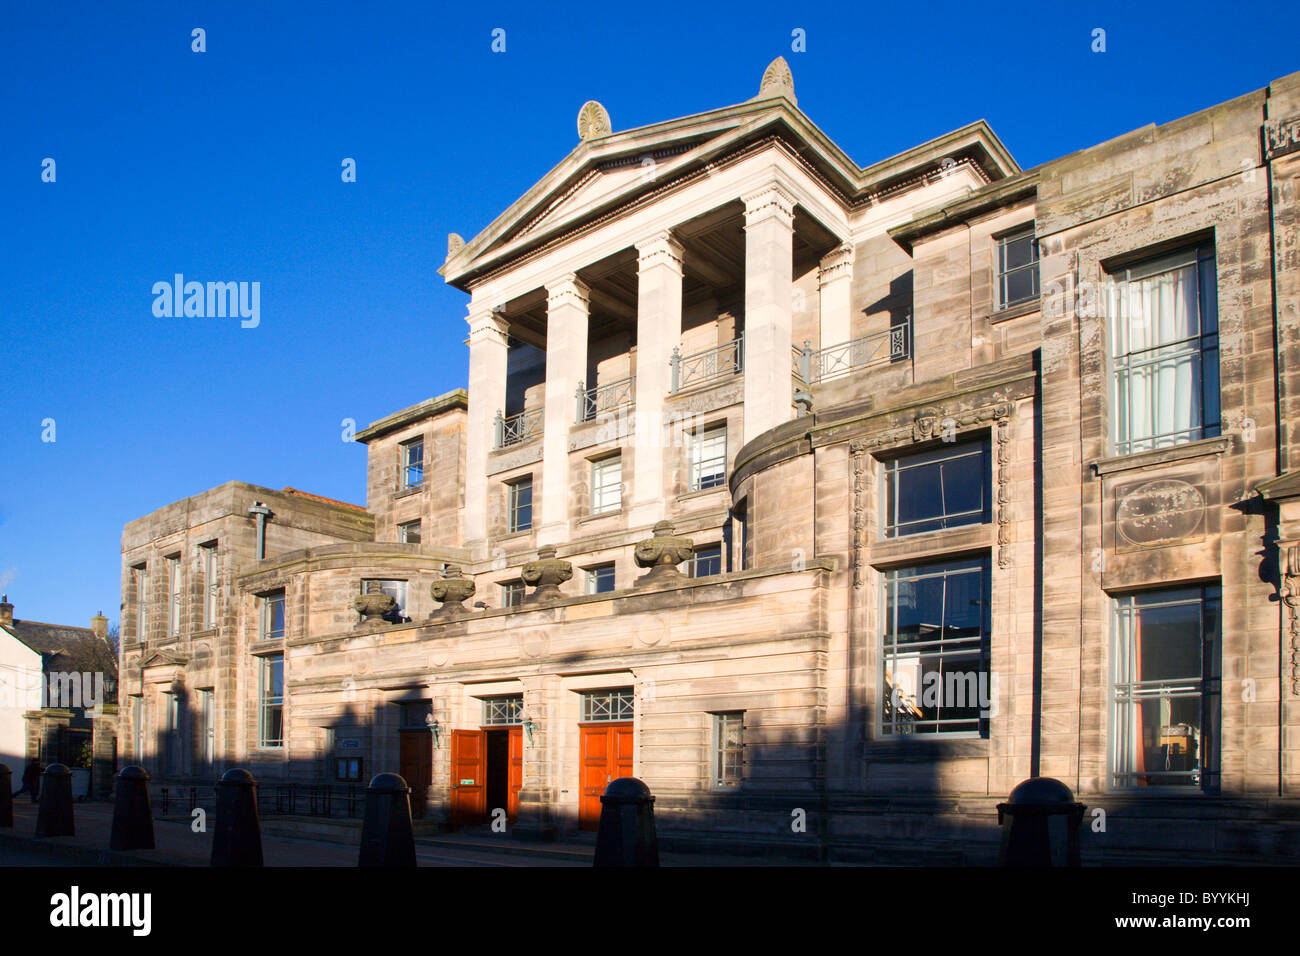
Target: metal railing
point(283, 799)
point(603, 398)
point(518, 428)
point(700, 368)
point(879, 348)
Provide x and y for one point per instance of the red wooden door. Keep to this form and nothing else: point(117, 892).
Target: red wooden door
point(415, 764)
point(468, 777)
point(606, 755)
point(516, 772)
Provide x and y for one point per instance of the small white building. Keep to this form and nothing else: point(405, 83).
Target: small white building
point(20, 692)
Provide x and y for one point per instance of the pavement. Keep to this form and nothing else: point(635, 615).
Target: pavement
point(297, 841)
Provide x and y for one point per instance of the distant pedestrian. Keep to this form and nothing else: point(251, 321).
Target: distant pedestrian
point(31, 780)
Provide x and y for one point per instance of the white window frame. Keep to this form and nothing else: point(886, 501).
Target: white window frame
point(721, 722)
point(211, 583)
point(264, 632)
point(593, 577)
point(607, 485)
point(404, 531)
point(406, 464)
point(513, 507)
point(174, 595)
point(141, 602)
point(1001, 271)
point(708, 457)
point(1174, 367)
point(267, 702)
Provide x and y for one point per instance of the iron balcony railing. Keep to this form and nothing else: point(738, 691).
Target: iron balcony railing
point(518, 428)
point(700, 368)
point(604, 398)
point(879, 348)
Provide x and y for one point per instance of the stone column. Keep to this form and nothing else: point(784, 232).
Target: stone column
point(566, 365)
point(769, 275)
point(835, 280)
point(658, 330)
point(487, 395)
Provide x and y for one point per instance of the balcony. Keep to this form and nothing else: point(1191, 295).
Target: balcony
point(707, 367)
point(868, 351)
point(519, 428)
point(604, 398)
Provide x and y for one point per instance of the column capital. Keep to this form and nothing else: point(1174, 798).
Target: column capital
point(488, 326)
point(770, 202)
point(567, 290)
point(836, 264)
point(660, 249)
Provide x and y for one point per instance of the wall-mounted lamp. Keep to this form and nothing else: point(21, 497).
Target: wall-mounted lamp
point(529, 725)
point(435, 728)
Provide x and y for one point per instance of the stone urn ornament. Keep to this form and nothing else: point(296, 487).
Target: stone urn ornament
point(373, 605)
point(451, 591)
point(661, 554)
point(546, 574)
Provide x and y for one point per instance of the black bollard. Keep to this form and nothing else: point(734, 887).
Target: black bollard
point(626, 833)
point(54, 818)
point(6, 796)
point(386, 835)
point(237, 838)
point(1040, 825)
point(132, 817)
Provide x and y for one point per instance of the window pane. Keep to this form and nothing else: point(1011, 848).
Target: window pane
point(946, 488)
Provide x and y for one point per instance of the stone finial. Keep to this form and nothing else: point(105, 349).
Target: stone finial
point(777, 81)
point(593, 121)
point(454, 244)
point(451, 591)
point(373, 605)
point(546, 574)
point(661, 553)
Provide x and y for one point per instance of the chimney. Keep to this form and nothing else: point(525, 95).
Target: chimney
point(99, 624)
point(6, 612)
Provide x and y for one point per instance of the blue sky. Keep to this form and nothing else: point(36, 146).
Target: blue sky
point(225, 166)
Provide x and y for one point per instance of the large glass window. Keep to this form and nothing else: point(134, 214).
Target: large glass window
point(272, 623)
point(944, 488)
point(520, 504)
point(935, 649)
point(411, 464)
point(728, 749)
point(270, 697)
point(1164, 351)
point(708, 457)
point(1017, 268)
point(606, 485)
point(409, 532)
point(1167, 684)
point(137, 728)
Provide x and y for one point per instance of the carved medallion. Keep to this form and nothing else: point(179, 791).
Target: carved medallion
point(1159, 511)
point(593, 121)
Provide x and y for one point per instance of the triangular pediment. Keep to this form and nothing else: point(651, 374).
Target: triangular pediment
point(164, 658)
point(613, 170)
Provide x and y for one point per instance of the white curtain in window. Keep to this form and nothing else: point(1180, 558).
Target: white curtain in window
point(1159, 381)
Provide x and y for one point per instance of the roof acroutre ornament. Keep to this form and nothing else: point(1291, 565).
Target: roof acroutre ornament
point(454, 244)
point(777, 81)
point(593, 121)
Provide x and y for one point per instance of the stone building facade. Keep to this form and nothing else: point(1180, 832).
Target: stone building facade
point(830, 501)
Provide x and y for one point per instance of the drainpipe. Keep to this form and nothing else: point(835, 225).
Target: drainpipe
point(261, 512)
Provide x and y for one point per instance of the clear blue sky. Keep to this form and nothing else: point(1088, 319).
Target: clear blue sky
point(225, 165)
